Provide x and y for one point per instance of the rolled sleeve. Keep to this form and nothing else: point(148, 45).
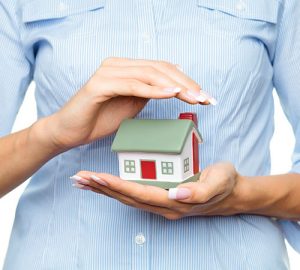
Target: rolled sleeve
point(15, 69)
point(287, 83)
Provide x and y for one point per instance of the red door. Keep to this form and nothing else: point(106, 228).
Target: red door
point(148, 169)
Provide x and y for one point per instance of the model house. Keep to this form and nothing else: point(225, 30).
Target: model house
point(159, 152)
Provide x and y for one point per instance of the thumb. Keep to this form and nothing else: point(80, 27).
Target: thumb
point(196, 192)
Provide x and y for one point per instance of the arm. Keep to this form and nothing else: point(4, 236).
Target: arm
point(22, 153)
point(15, 76)
point(279, 195)
point(275, 196)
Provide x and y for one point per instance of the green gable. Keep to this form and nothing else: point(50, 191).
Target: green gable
point(153, 136)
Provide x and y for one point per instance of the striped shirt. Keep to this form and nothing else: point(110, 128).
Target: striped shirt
point(237, 50)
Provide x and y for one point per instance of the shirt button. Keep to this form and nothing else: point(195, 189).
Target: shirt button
point(146, 37)
point(62, 6)
point(240, 6)
point(140, 239)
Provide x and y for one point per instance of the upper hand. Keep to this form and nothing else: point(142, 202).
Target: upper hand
point(119, 89)
point(219, 191)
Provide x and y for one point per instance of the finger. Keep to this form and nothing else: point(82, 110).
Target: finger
point(141, 193)
point(162, 211)
point(163, 67)
point(171, 70)
point(191, 93)
point(93, 186)
point(82, 183)
point(107, 88)
point(197, 192)
point(168, 213)
point(192, 90)
point(146, 74)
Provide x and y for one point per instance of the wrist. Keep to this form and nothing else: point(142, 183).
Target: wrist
point(244, 195)
point(40, 134)
point(263, 195)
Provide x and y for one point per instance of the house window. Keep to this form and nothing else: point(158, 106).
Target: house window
point(186, 164)
point(167, 168)
point(129, 166)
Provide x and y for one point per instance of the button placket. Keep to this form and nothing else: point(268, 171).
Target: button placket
point(147, 49)
point(147, 30)
point(140, 250)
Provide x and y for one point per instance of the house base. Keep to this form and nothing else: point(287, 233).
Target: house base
point(167, 185)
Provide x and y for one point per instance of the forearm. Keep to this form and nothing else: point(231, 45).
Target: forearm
point(276, 196)
point(22, 153)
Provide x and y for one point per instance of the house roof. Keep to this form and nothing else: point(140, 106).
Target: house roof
point(161, 136)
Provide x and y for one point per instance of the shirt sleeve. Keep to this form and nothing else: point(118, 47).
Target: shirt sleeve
point(287, 84)
point(15, 69)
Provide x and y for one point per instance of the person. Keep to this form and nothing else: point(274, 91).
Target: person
point(96, 63)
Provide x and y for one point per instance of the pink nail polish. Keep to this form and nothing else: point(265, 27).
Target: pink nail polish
point(189, 96)
point(183, 193)
point(80, 186)
point(75, 177)
point(198, 96)
point(172, 89)
point(211, 99)
point(86, 188)
point(83, 181)
point(98, 180)
point(179, 193)
point(76, 185)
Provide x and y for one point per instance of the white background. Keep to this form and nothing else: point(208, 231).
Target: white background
point(281, 149)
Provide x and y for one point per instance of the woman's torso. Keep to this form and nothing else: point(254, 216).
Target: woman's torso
point(227, 47)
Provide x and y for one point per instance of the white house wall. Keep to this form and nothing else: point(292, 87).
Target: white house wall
point(187, 152)
point(158, 157)
point(178, 163)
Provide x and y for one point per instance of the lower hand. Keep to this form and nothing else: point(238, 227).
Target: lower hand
point(219, 191)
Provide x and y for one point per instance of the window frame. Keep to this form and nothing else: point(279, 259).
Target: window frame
point(186, 165)
point(131, 166)
point(167, 168)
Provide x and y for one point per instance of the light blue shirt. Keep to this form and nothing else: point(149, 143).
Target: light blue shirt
point(237, 50)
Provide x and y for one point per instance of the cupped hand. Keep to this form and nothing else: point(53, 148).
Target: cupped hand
point(119, 89)
point(220, 190)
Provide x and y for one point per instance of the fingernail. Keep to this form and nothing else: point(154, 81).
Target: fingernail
point(172, 89)
point(198, 96)
point(187, 96)
point(179, 193)
point(211, 99)
point(83, 181)
point(76, 177)
point(98, 180)
point(86, 188)
point(76, 185)
point(79, 186)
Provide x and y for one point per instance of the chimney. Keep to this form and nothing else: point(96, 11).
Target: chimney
point(190, 116)
point(195, 142)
